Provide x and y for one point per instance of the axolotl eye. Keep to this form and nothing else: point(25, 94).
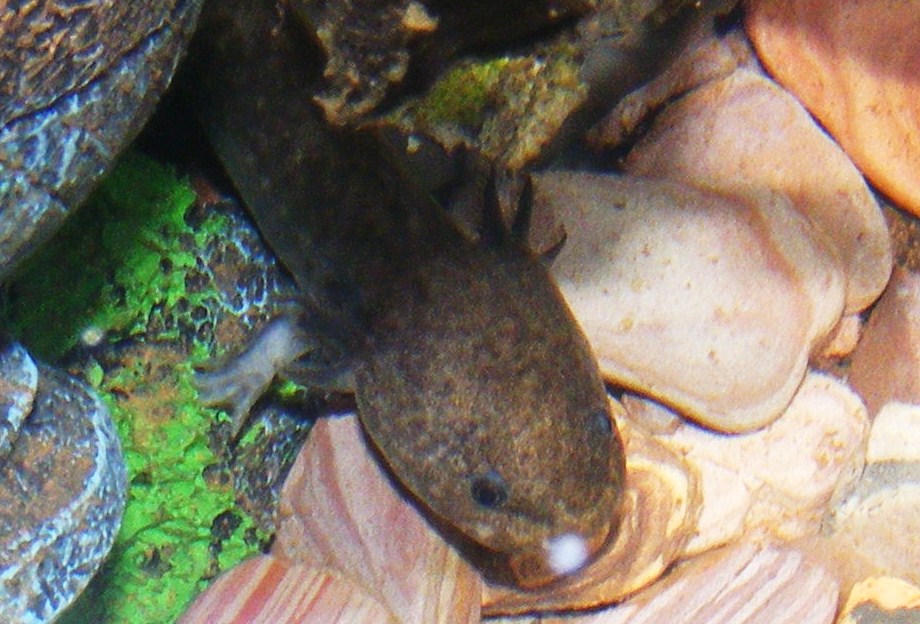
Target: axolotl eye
point(489, 490)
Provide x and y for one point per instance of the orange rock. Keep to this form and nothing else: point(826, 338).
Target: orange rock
point(854, 64)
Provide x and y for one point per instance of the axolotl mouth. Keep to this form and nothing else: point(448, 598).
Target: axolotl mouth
point(560, 557)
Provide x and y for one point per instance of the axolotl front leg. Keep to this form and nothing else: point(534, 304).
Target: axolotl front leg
point(281, 349)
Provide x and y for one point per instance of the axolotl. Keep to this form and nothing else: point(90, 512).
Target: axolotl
point(472, 379)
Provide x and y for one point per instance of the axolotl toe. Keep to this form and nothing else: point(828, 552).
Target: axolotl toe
point(472, 378)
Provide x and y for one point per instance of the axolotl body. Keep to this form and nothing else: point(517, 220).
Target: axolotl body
point(471, 376)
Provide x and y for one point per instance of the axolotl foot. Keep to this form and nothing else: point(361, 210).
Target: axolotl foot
point(239, 384)
point(315, 357)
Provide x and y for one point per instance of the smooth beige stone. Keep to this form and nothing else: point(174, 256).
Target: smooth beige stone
point(886, 362)
point(724, 520)
point(744, 134)
point(777, 481)
point(895, 434)
point(711, 305)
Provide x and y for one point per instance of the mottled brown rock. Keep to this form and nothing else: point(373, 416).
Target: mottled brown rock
point(77, 82)
point(370, 46)
point(366, 45)
point(62, 492)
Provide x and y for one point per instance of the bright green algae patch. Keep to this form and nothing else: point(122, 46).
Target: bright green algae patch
point(119, 270)
point(104, 270)
point(179, 529)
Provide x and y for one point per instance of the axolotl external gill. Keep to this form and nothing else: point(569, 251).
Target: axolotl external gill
point(472, 379)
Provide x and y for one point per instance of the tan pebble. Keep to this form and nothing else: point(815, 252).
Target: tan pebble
point(879, 522)
point(339, 510)
point(882, 600)
point(895, 434)
point(779, 480)
point(661, 507)
point(417, 19)
point(709, 304)
point(842, 340)
point(745, 134)
point(652, 417)
point(726, 499)
point(886, 363)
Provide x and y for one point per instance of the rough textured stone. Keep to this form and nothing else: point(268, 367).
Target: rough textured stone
point(77, 82)
point(62, 492)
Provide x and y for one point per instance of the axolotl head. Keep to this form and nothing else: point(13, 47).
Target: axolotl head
point(484, 399)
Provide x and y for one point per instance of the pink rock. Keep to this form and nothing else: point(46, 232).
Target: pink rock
point(741, 584)
point(340, 511)
point(267, 590)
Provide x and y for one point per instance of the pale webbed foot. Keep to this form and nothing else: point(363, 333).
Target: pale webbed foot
point(244, 379)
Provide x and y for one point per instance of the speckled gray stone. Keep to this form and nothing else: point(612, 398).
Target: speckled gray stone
point(62, 493)
point(18, 384)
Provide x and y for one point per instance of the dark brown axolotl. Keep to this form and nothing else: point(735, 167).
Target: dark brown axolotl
point(472, 378)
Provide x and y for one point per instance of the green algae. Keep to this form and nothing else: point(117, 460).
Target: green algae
point(114, 263)
point(117, 275)
point(173, 538)
point(464, 94)
point(508, 108)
